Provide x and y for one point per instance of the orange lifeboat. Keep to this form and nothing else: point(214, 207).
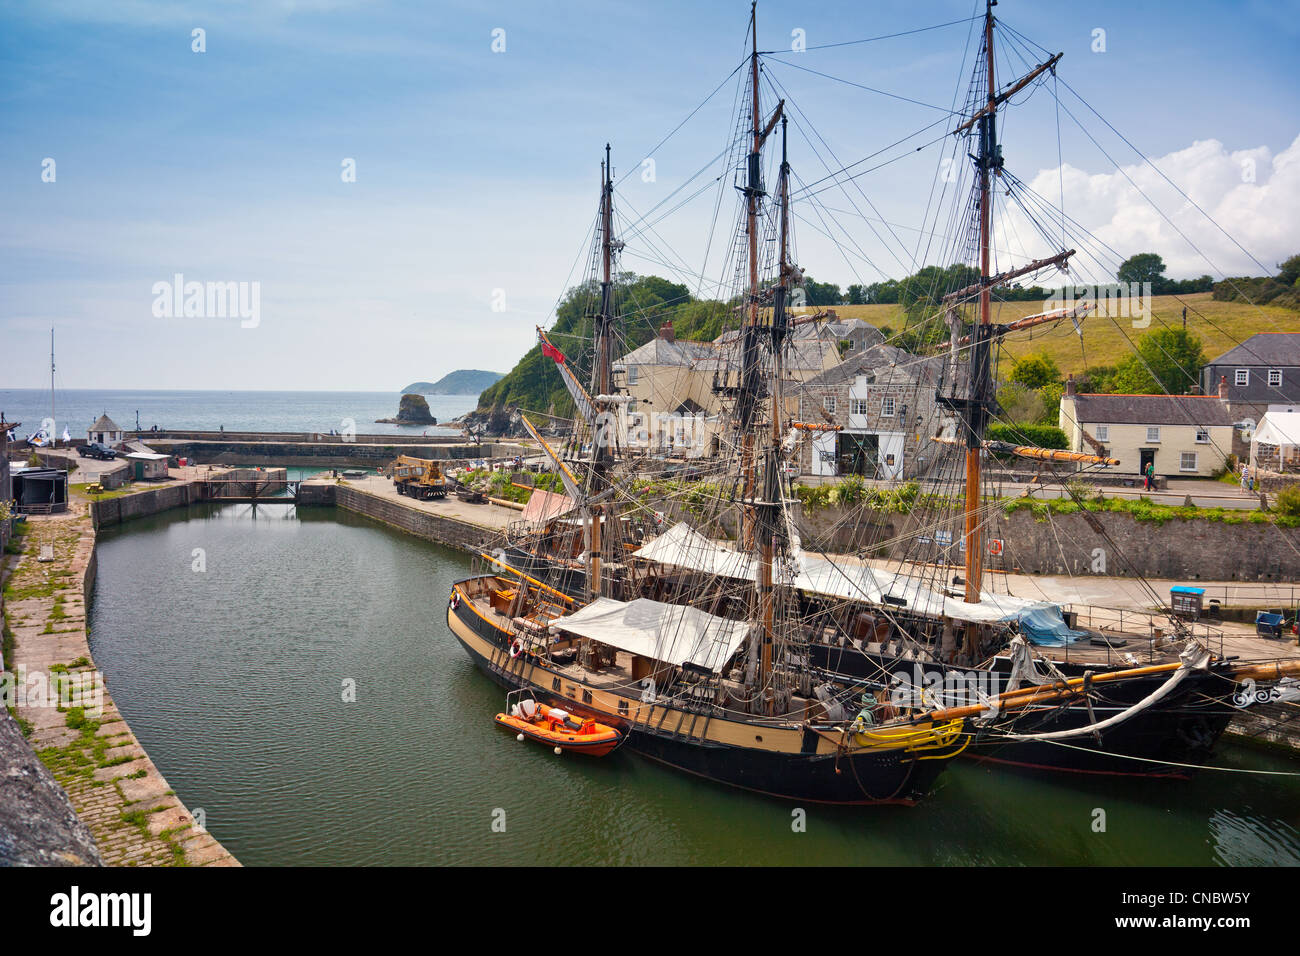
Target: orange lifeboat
point(559, 729)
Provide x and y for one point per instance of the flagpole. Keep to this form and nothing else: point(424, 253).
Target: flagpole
point(53, 432)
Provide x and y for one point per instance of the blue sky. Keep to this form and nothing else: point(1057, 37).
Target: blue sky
point(477, 171)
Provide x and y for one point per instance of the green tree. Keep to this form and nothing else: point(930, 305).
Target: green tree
point(1167, 360)
point(1289, 271)
point(1051, 397)
point(822, 293)
point(1143, 267)
point(1098, 378)
point(1035, 371)
point(1020, 404)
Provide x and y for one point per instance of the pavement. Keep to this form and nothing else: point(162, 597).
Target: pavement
point(488, 515)
point(88, 469)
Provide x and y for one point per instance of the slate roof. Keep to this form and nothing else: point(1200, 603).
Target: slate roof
point(882, 364)
point(659, 351)
point(1151, 410)
point(105, 424)
point(1267, 349)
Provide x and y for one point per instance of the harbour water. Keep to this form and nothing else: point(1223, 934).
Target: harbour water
point(234, 679)
point(269, 411)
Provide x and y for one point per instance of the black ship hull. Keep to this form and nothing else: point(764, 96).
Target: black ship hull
point(1169, 739)
point(804, 774)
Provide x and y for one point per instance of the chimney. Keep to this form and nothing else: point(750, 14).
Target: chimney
point(1070, 388)
point(666, 331)
point(1223, 389)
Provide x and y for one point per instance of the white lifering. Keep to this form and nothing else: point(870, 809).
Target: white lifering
point(516, 648)
point(455, 600)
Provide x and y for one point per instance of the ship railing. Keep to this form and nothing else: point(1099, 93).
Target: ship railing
point(1137, 627)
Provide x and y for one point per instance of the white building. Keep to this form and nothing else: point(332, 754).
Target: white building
point(106, 432)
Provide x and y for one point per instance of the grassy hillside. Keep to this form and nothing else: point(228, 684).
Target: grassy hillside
point(648, 301)
point(1219, 326)
point(645, 302)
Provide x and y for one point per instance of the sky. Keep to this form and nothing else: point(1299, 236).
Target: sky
point(404, 189)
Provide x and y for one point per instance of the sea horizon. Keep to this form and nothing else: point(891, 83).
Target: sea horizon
point(272, 410)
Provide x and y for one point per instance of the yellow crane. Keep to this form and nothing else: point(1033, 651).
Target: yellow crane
point(418, 478)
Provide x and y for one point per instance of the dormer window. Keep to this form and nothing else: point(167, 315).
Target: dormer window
point(1243, 377)
point(1274, 377)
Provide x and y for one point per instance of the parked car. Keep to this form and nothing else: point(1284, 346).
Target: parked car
point(97, 450)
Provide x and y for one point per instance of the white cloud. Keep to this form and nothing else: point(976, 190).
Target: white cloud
point(1251, 193)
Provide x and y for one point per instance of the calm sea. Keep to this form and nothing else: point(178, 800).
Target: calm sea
point(78, 409)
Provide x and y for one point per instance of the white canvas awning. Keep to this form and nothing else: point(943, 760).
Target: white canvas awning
point(1277, 428)
point(682, 546)
point(671, 633)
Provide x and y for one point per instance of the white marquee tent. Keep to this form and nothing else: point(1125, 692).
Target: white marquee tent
point(1279, 429)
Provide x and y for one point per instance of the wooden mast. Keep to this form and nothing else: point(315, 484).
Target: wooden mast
point(603, 434)
point(763, 527)
point(979, 363)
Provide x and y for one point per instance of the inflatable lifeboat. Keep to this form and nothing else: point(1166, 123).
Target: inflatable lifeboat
point(559, 729)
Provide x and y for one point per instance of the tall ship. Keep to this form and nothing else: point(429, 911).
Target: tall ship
point(677, 603)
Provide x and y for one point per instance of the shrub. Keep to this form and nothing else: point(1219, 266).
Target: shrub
point(1287, 502)
point(1043, 436)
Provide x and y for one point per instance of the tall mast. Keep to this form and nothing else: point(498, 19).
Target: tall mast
point(605, 321)
point(761, 482)
point(747, 395)
point(781, 295)
point(989, 160)
point(53, 430)
point(603, 372)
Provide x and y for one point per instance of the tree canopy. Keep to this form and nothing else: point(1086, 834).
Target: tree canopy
point(1167, 360)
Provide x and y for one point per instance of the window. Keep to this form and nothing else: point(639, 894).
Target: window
point(631, 374)
point(1274, 377)
point(1187, 461)
point(1153, 433)
point(1243, 376)
point(631, 406)
point(829, 404)
point(887, 406)
point(1103, 433)
point(1202, 436)
point(857, 406)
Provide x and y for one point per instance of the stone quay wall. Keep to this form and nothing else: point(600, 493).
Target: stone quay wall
point(1193, 549)
point(439, 529)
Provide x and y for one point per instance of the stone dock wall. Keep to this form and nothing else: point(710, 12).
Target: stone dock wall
point(1180, 549)
point(1274, 726)
point(86, 744)
point(439, 529)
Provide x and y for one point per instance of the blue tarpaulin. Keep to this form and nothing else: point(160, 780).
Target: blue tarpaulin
point(1045, 626)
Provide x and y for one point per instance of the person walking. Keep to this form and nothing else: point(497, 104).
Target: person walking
point(1151, 476)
